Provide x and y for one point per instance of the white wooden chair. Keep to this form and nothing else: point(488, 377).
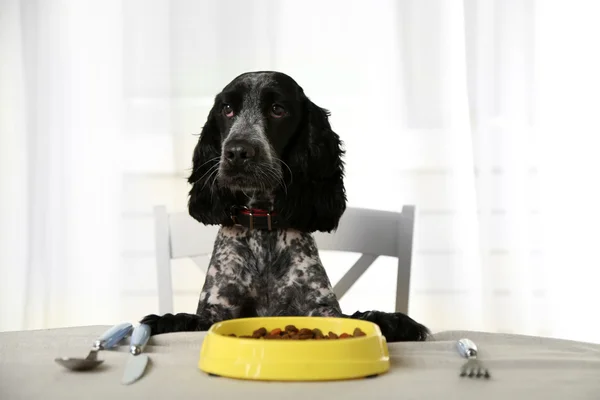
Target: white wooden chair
point(371, 233)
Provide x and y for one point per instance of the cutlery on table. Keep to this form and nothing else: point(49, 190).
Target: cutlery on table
point(136, 362)
point(109, 339)
point(473, 368)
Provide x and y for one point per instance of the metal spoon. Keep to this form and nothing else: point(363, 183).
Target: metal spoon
point(108, 340)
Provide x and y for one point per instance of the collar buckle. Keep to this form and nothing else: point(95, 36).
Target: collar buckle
point(248, 217)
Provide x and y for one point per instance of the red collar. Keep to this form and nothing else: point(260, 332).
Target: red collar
point(255, 218)
point(257, 212)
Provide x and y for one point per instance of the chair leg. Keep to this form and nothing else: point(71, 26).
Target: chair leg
point(163, 260)
point(405, 249)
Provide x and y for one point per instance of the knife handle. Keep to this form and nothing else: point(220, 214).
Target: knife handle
point(113, 336)
point(467, 348)
point(139, 338)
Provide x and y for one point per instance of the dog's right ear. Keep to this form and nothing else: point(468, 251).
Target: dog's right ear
point(208, 203)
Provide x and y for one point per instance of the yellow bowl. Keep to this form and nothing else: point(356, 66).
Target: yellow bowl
point(294, 360)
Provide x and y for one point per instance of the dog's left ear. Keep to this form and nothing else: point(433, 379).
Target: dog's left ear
point(315, 198)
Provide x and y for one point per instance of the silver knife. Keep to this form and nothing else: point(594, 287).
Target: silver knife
point(136, 362)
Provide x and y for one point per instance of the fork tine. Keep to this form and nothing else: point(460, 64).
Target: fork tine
point(463, 369)
point(473, 368)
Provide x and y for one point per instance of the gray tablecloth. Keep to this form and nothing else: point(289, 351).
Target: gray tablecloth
point(523, 368)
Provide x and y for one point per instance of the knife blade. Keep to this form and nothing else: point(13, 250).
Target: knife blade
point(136, 362)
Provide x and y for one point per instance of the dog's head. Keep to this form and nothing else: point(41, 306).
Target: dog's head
point(265, 139)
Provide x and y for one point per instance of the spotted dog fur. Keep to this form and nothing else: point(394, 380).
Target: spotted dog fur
point(262, 273)
point(266, 145)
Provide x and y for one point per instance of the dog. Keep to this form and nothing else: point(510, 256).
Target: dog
point(268, 169)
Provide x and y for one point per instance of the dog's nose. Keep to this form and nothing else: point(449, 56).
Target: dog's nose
point(239, 152)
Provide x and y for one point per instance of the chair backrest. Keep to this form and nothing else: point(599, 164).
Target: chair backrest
point(372, 233)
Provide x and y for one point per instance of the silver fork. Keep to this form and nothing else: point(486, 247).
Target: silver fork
point(473, 368)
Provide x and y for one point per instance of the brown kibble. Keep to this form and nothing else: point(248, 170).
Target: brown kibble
point(275, 331)
point(358, 332)
point(259, 333)
point(271, 336)
point(292, 333)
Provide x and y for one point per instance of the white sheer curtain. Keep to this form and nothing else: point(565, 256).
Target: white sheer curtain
point(61, 100)
point(480, 112)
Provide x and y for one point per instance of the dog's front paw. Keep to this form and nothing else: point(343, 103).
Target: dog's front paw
point(159, 324)
point(396, 327)
point(173, 323)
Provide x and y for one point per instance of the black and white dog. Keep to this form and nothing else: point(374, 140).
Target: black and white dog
point(268, 169)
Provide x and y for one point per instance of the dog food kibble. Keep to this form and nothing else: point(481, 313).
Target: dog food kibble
point(290, 332)
point(358, 332)
point(275, 332)
point(259, 333)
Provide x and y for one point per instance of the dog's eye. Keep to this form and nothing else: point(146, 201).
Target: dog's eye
point(277, 111)
point(228, 111)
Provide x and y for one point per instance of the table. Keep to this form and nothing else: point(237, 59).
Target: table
point(523, 367)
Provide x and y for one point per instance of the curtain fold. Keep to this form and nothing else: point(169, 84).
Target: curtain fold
point(61, 178)
point(14, 157)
